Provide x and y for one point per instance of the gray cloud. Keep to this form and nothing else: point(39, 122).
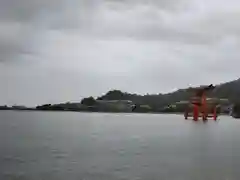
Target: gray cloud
point(62, 50)
point(27, 10)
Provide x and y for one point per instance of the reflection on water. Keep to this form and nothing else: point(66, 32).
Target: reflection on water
point(65, 145)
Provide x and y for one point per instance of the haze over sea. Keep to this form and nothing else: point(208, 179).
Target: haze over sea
point(92, 146)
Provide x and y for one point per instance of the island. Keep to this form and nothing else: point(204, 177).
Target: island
point(119, 101)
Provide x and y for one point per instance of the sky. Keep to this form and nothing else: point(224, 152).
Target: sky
point(63, 50)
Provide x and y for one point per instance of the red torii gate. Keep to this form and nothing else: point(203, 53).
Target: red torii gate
point(200, 104)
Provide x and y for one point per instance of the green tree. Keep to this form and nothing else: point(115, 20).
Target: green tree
point(90, 101)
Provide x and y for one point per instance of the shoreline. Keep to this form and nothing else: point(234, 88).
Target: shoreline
point(173, 113)
point(90, 111)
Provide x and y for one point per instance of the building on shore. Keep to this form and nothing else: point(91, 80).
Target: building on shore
point(19, 107)
point(223, 105)
point(115, 105)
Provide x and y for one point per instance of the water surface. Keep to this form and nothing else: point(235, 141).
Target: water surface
point(92, 146)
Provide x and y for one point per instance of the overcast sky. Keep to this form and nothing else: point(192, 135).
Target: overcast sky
point(62, 50)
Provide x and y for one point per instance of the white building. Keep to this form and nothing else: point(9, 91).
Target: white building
point(115, 105)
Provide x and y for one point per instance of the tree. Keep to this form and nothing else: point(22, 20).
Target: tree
point(44, 107)
point(114, 95)
point(90, 101)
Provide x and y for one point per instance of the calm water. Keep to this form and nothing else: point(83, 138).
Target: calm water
point(82, 146)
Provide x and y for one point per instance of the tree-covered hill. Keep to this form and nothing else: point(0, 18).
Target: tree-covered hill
point(229, 90)
point(149, 102)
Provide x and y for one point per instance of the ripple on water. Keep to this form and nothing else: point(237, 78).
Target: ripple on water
point(97, 176)
point(94, 135)
point(13, 159)
point(122, 168)
point(145, 165)
point(59, 154)
point(14, 176)
point(136, 138)
point(121, 152)
point(138, 153)
point(94, 167)
point(74, 163)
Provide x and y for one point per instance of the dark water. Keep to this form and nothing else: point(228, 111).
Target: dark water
point(81, 146)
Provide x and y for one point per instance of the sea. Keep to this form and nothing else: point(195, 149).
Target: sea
point(38, 145)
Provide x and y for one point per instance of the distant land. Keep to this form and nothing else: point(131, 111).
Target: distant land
point(118, 101)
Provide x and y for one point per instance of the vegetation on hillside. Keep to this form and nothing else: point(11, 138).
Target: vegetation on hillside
point(150, 102)
point(90, 101)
